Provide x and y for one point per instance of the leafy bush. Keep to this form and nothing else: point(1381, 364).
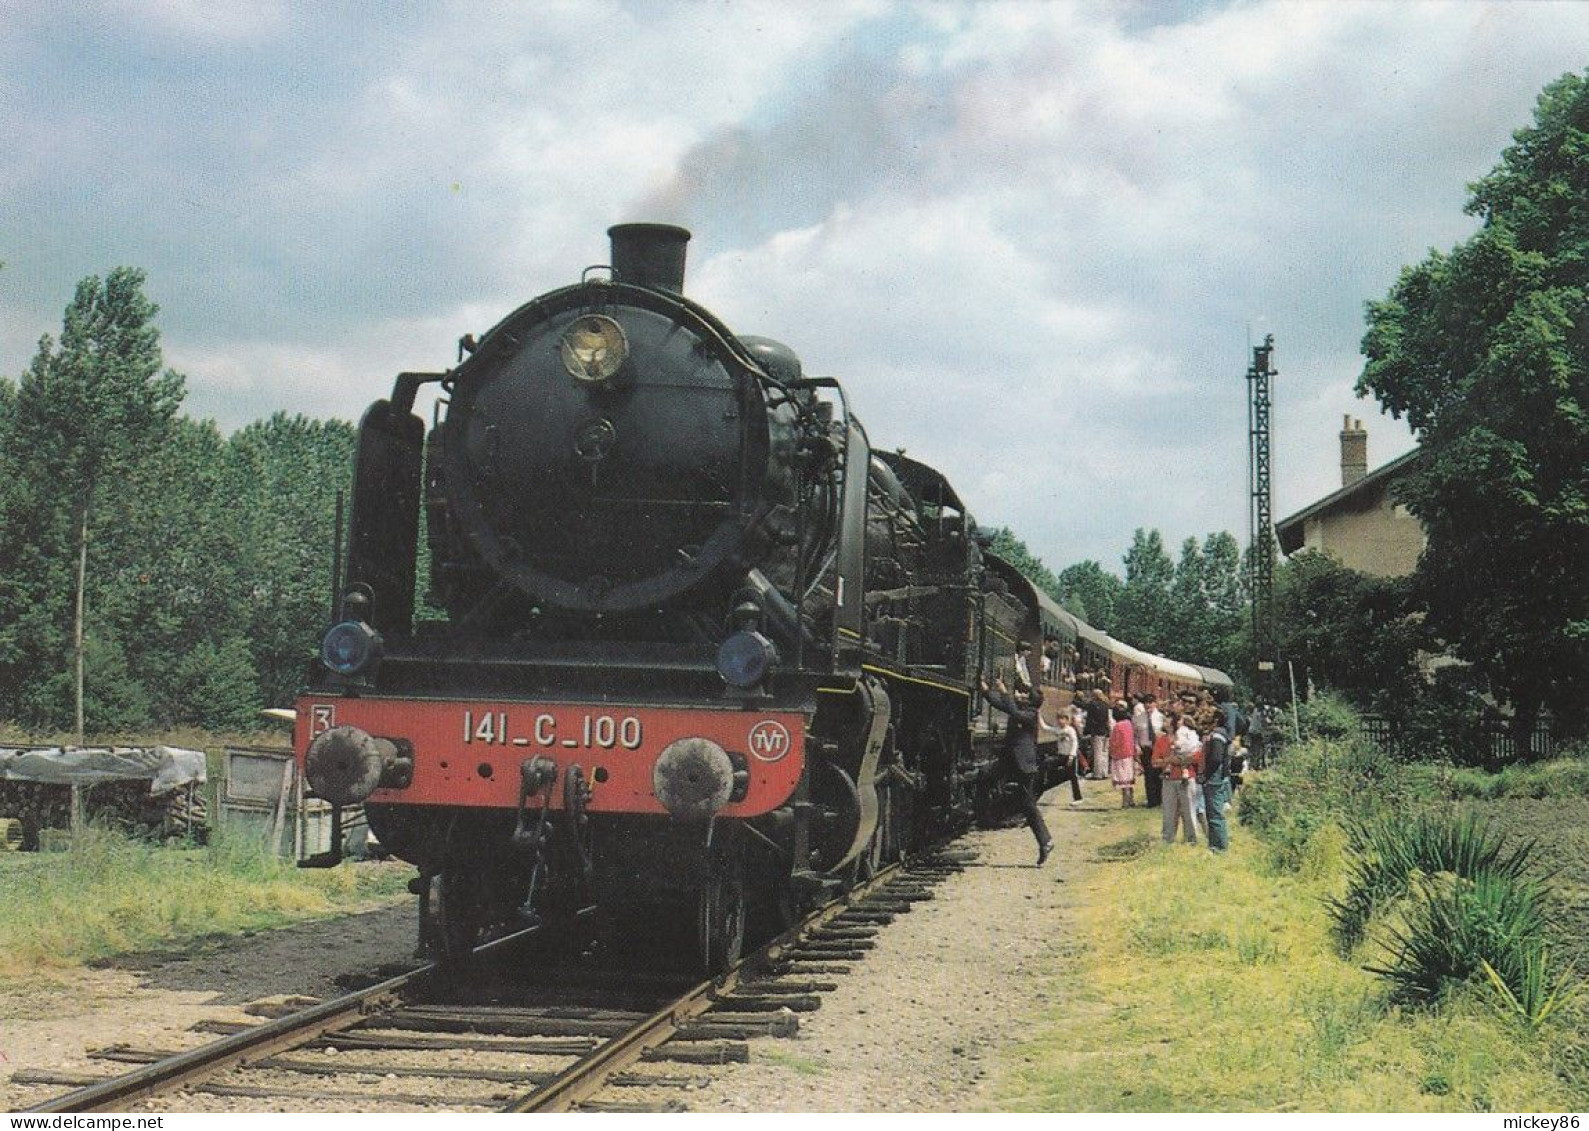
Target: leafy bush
point(1262, 801)
point(1329, 717)
point(1565, 777)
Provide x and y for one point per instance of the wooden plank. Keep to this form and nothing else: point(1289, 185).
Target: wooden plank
point(517, 1046)
point(56, 1079)
point(786, 986)
point(642, 1080)
point(281, 807)
point(440, 1072)
point(806, 969)
point(700, 1052)
point(769, 1003)
point(355, 1097)
point(531, 1013)
point(411, 1021)
point(776, 1025)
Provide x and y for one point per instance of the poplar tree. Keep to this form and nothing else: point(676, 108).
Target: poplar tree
point(88, 410)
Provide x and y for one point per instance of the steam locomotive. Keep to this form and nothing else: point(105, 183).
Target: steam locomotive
point(691, 656)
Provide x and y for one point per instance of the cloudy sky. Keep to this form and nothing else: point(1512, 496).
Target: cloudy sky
point(1036, 240)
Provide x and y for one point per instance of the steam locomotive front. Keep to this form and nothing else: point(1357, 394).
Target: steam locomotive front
point(630, 514)
point(610, 449)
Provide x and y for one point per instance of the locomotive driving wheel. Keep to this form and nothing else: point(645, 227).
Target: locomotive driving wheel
point(454, 915)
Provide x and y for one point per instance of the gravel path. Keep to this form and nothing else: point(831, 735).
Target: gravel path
point(920, 1025)
point(916, 1027)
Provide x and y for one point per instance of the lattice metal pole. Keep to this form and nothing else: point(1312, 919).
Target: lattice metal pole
point(1260, 399)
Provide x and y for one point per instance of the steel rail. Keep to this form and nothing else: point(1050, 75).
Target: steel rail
point(572, 1086)
point(255, 1043)
point(261, 1041)
point(589, 1074)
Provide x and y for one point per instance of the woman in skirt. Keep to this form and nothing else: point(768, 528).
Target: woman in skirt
point(1123, 755)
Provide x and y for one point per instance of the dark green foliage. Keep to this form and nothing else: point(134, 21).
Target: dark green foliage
point(216, 687)
point(1195, 610)
point(209, 571)
point(1144, 609)
point(1483, 350)
point(291, 469)
point(1091, 592)
point(1564, 778)
point(1329, 718)
point(86, 416)
point(1206, 614)
point(1347, 630)
point(1007, 546)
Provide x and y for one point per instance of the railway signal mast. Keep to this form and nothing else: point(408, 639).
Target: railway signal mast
point(1260, 400)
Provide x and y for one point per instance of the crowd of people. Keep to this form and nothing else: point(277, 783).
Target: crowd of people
point(1188, 753)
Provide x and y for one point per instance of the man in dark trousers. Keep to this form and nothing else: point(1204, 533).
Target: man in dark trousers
point(1020, 742)
point(1096, 733)
point(1215, 779)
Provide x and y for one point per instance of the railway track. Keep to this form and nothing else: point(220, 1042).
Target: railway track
point(572, 1041)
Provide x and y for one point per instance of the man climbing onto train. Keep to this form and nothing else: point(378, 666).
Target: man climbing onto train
point(1020, 743)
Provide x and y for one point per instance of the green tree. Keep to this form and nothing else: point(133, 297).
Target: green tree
point(1347, 630)
point(1485, 352)
point(1223, 640)
point(87, 412)
point(1143, 611)
point(1187, 613)
point(170, 588)
point(1091, 592)
point(1007, 546)
point(291, 469)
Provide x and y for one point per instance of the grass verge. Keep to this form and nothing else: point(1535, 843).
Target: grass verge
point(109, 895)
point(1212, 984)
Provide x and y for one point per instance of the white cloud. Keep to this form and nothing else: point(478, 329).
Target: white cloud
point(1034, 238)
point(202, 22)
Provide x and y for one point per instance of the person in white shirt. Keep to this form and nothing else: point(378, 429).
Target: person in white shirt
point(1154, 784)
point(1069, 749)
point(1186, 752)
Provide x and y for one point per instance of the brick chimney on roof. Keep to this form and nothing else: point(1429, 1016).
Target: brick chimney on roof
point(1354, 451)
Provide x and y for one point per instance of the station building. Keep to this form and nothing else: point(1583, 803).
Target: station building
point(1361, 525)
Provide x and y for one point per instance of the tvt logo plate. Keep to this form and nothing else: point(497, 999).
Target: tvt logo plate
point(769, 740)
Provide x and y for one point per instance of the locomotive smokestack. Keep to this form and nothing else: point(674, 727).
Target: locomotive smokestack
point(649, 255)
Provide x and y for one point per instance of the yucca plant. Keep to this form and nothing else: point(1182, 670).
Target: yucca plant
point(1389, 852)
point(1455, 926)
point(1536, 995)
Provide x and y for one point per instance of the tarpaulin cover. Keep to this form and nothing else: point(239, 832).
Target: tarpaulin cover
point(164, 767)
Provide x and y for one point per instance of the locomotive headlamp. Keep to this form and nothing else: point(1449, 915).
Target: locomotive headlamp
point(745, 658)
point(594, 348)
point(350, 647)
